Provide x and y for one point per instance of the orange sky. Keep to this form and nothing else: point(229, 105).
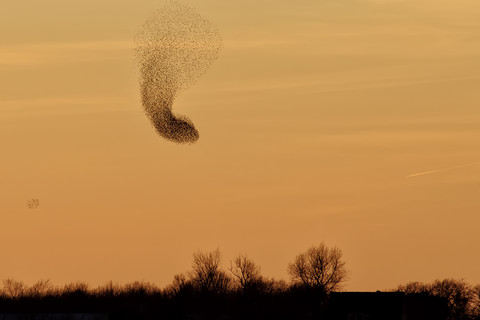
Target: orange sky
point(310, 121)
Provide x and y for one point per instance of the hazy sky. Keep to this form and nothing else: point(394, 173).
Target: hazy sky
point(310, 121)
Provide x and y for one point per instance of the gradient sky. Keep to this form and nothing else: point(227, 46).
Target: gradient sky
point(309, 122)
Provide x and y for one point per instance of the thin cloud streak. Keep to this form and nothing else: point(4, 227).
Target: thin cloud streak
point(441, 170)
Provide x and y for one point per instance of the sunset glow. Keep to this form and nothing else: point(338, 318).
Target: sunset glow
point(310, 119)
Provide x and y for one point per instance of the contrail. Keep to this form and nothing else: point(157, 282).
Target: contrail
point(440, 170)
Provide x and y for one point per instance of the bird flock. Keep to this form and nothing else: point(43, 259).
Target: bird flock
point(174, 47)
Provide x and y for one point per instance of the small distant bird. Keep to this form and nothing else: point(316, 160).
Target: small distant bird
point(33, 203)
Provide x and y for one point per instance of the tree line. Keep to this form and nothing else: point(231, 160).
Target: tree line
point(205, 289)
point(319, 268)
point(210, 290)
point(463, 299)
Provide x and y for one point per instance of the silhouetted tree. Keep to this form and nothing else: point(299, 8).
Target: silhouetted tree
point(246, 274)
point(462, 299)
point(476, 291)
point(206, 274)
point(319, 268)
point(109, 289)
point(415, 287)
point(40, 288)
point(141, 288)
point(75, 289)
point(13, 288)
point(180, 285)
point(271, 287)
point(460, 296)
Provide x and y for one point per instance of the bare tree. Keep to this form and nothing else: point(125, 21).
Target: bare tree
point(476, 291)
point(40, 288)
point(140, 288)
point(207, 275)
point(75, 288)
point(319, 268)
point(13, 288)
point(179, 285)
point(459, 295)
point(109, 289)
point(463, 300)
point(414, 287)
point(246, 274)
